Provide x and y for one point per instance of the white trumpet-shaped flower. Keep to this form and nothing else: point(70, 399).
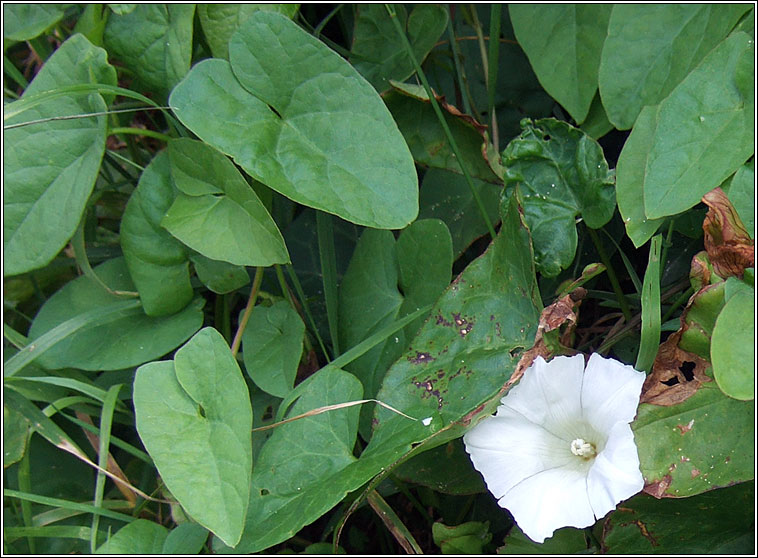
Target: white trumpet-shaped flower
point(559, 452)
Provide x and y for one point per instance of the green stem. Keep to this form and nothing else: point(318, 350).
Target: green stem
point(666, 244)
point(287, 294)
point(41, 47)
point(459, 69)
point(80, 254)
point(448, 134)
point(412, 499)
point(226, 319)
point(248, 310)
point(676, 304)
point(611, 275)
point(492, 69)
point(140, 132)
point(329, 16)
point(325, 233)
point(126, 160)
point(306, 309)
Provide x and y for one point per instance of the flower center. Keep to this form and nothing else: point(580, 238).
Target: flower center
point(585, 450)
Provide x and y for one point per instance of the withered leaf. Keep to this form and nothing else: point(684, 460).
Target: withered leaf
point(560, 312)
point(727, 242)
point(700, 271)
point(676, 376)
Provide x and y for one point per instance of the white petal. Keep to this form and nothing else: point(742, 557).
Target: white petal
point(615, 474)
point(508, 449)
point(611, 392)
point(548, 501)
point(550, 394)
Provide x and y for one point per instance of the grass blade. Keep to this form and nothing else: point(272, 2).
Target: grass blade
point(492, 67)
point(106, 421)
point(51, 532)
point(25, 483)
point(17, 107)
point(460, 71)
point(627, 264)
point(306, 309)
point(349, 356)
point(393, 523)
point(90, 318)
point(81, 507)
point(650, 337)
point(440, 117)
point(611, 274)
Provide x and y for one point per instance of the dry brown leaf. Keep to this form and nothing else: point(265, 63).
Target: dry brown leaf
point(677, 374)
point(726, 240)
point(112, 465)
point(560, 312)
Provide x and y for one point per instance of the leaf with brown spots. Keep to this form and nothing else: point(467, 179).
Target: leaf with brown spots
point(726, 240)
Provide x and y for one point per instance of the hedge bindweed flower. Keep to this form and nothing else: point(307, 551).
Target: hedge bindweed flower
point(559, 452)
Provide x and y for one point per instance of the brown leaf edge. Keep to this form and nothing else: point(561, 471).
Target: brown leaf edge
point(727, 242)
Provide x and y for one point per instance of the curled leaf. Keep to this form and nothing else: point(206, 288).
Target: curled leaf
point(562, 311)
point(701, 271)
point(727, 242)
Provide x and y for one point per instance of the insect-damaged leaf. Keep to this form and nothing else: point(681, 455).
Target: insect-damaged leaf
point(703, 443)
point(562, 173)
point(469, 346)
point(340, 152)
point(193, 414)
point(387, 280)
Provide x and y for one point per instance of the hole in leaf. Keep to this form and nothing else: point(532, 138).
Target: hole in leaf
point(546, 137)
point(671, 381)
point(688, 369)
point(264, 492)
point(276, 112)
point(201, 411)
